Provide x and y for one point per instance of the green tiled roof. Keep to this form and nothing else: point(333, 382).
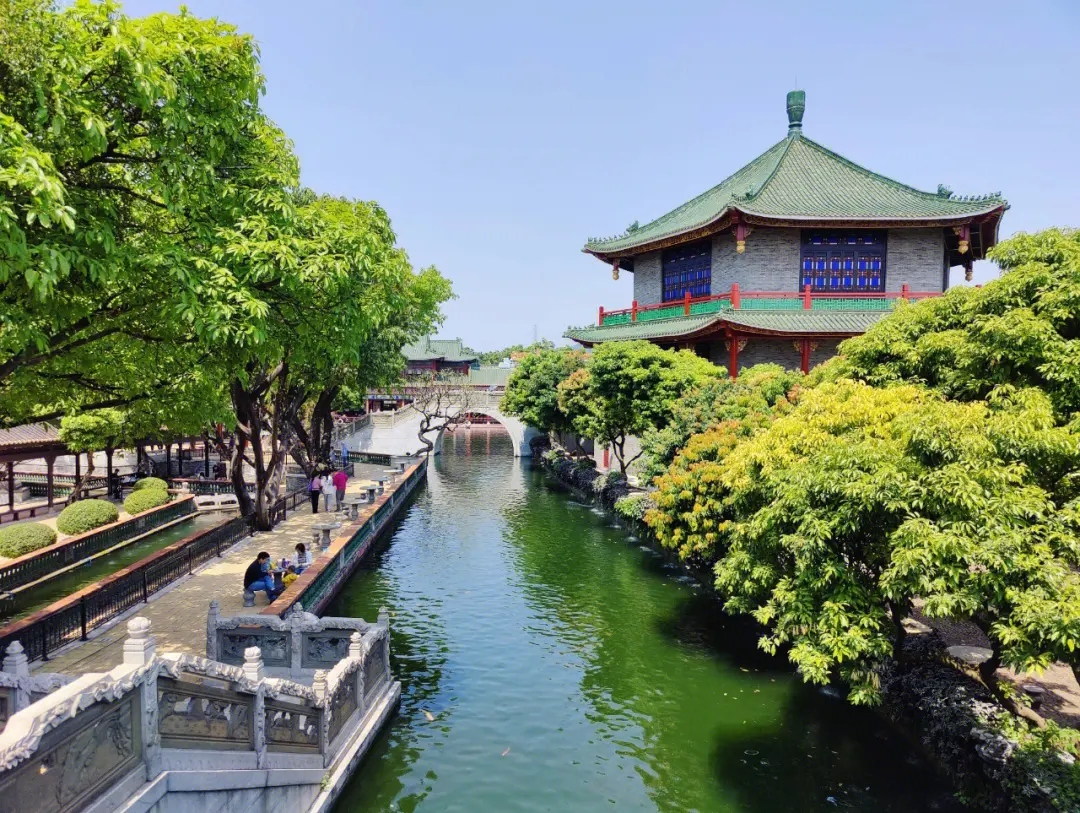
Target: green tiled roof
point(489, 376)
point(428, 349)
point(798, 179)
point(650, 329)
point(800, 321)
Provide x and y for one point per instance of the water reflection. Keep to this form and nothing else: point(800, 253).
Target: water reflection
point(550, 663)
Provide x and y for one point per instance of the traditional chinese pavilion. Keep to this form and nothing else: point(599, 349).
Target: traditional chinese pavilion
point(796, 251)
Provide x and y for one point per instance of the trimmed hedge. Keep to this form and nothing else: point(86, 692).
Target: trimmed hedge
point(150, 482)
point(144, 500)
point(85, 515)
point(15, 540)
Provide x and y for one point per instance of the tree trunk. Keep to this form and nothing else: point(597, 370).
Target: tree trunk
point(80, 482)
point(988, 673)
point(236, 470)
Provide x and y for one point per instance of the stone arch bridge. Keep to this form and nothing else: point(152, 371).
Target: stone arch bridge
point(397, 433)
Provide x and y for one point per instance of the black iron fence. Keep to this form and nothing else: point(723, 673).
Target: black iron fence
point(43, 562)
point(71, 619)
point(279, 511)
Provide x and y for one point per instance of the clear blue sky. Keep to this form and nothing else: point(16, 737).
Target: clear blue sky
point(500, 135)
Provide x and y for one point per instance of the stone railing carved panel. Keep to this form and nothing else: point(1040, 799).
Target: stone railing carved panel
point(322, 650)
point(290, 727)
point(276, 647)
point(77, 760)
point(195, 715)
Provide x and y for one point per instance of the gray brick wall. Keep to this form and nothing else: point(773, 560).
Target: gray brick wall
point(770, 262)
point(648, 279)
point(915, 257)
point(761, 350)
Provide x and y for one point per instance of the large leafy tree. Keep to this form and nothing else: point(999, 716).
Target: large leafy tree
point(532, 390)
point(331, 278)
point(126, 145)
point(828, 523)
point(629, 388)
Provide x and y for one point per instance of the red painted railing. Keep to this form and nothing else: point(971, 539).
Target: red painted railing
point(736, 297)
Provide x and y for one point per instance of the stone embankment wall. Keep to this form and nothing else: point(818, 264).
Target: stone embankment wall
point(954, 716)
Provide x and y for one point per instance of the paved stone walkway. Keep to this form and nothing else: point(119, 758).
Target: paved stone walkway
point(178, 613)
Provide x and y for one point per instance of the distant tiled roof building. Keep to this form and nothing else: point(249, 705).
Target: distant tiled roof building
point(795, 251)
point(438, 355)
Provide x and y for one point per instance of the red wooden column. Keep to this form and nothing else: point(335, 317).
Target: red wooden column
point(806, 298)
point(600, 317)
point(78, 476)
point(805, 356)
point(633, 311)
point(11, 485)
point(686, 303)
point(735, 295)
point(733, 367)
point(49, 461)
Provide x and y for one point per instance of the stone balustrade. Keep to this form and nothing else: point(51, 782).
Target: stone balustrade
point(177, 723)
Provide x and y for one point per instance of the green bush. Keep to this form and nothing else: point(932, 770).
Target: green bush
point(15, 540)
point(139, 501)
point(150, 482)
point(85, 515)
point(634, 506)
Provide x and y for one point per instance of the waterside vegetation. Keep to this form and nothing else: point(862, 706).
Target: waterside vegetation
point(936, 460)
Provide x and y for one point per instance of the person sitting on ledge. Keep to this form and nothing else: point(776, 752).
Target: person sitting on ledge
point(303, 558)
point(258, 577)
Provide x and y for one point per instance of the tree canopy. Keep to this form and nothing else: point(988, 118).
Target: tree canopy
point(532, 390)
point(629, 388)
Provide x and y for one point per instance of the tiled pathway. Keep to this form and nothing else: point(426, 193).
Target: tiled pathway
point(178, 613)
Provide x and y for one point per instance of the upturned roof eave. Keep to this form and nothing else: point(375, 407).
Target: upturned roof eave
point(723, 222)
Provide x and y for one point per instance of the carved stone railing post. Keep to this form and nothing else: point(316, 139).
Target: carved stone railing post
point(253, 671)
point(296, 627)
point(139, 650)
point(356, 652)
point(319, 686)
point(384, 621)
point(211, 630)
point(139, 646)
point(18, 665)
point(253, 664)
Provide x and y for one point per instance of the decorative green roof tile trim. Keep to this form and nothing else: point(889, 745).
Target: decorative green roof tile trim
point(801, 321)
point(799, 179)
point(428, 349)
point(655, 329)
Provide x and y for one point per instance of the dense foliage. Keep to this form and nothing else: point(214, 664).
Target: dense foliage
point(25, 537)
point(532, 391)
point(948, 471)
point(1021, 330)
point(627, 389)
point(163, 272)
point(86, 515)
point(756, 392)
point(139, 501)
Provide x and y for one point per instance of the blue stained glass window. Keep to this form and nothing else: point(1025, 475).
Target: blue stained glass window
point(847, 271)
point(687, 270)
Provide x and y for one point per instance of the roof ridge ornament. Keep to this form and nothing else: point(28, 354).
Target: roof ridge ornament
point(796, 106)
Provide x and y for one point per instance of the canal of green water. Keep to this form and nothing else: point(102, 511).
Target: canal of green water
point(550, 662)
point(40, 596)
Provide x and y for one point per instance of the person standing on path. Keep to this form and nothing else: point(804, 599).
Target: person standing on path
point(327, 491)
point(313, 491)
point(340, 479)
